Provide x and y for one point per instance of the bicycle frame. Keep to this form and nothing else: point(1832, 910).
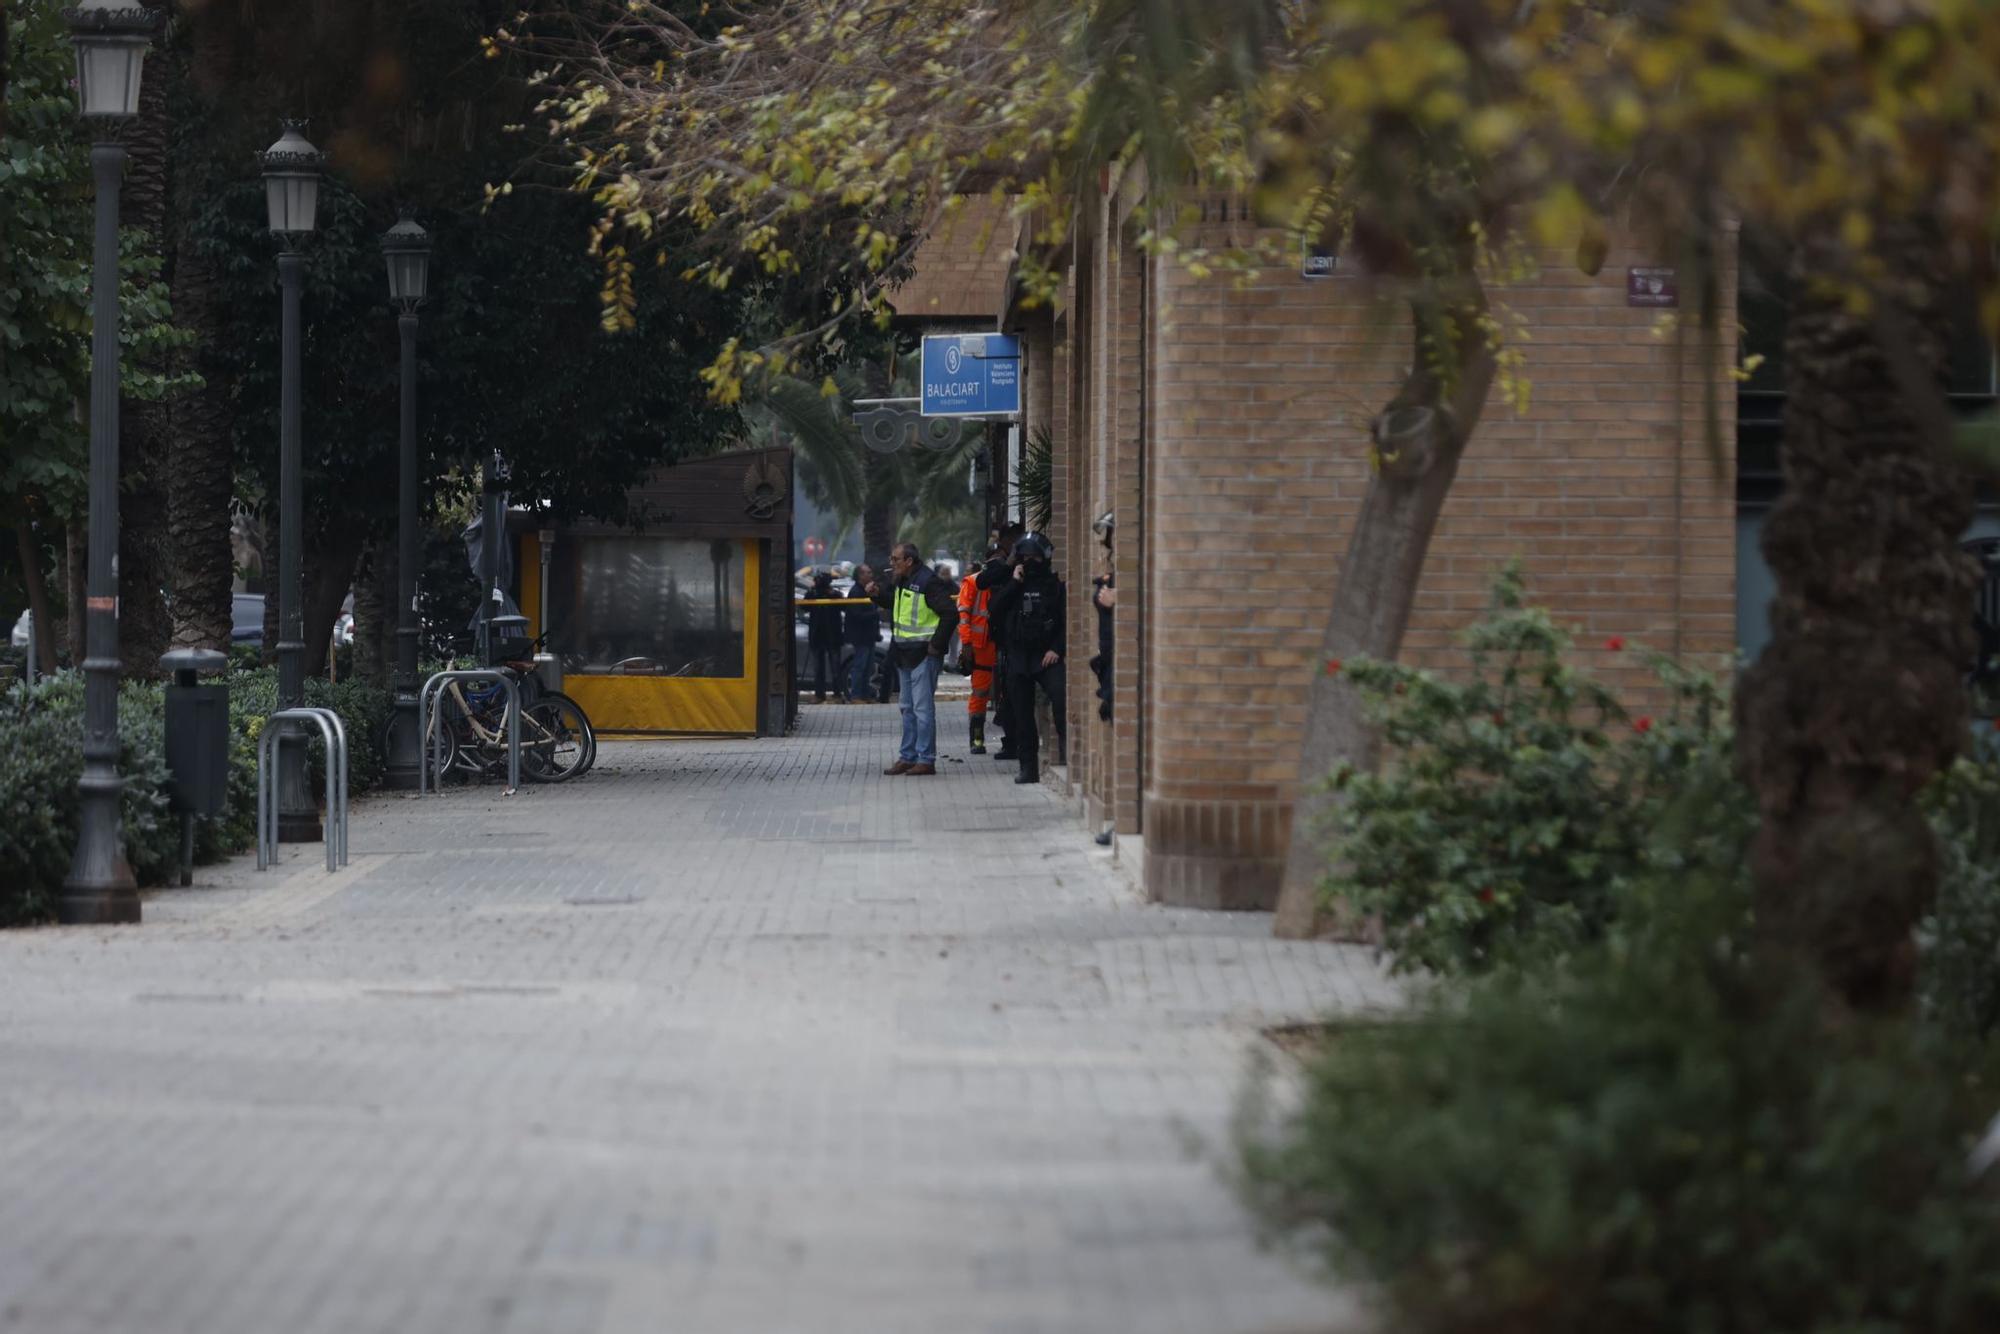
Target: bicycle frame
point(427, 719)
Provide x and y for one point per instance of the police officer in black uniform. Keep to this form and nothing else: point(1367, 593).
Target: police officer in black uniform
point(1029, 616)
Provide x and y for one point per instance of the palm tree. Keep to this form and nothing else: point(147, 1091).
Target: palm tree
point(915, 494)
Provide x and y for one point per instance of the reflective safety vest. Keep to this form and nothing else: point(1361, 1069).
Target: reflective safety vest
point(973, 628)
point(914, 622)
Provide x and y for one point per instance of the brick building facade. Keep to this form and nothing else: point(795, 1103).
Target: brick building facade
point(1225, 424)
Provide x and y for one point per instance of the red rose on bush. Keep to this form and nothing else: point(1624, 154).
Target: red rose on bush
point(1333, 666)
point(1486, 894)
point(1616, 643)
point(1642, 725)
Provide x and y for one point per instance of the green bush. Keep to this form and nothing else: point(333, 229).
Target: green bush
point(1960, 977)
point(1653, 1137)
point(1514, 807)
point(41, 759)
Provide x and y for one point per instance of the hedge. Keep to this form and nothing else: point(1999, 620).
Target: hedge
point(41, 759)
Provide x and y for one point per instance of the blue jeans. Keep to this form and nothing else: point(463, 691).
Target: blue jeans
point(863, 664)
point(919, 687)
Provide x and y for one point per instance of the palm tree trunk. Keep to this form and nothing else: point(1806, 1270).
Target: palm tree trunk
point(1859, 699)
point(375, 612)
point(878, 510)
point(1421, 436)
point(198, 514)
point(145, 549)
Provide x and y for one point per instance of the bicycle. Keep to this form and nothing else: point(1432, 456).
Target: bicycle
point(557, 740)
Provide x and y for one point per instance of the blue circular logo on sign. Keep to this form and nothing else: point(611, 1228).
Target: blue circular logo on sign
point(951, 360)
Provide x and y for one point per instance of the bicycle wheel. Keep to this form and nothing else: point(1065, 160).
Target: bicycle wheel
point(443, 754)
point(557, 743)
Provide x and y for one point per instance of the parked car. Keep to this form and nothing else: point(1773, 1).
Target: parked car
point(246, 618)
point(246, 621)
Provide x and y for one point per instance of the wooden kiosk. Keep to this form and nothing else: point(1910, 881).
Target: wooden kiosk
point(678, 623)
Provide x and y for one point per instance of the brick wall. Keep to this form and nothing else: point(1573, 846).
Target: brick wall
point(1226, 426)
point(1259, 436)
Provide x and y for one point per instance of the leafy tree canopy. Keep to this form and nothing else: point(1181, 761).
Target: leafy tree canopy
point(45, 262)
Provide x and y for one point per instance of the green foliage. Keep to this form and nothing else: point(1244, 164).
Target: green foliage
point(1661, 1135)
point(1035, 479)
point(1517, 804)
point(1960, 980)
point(45, 261)
point(41, 759)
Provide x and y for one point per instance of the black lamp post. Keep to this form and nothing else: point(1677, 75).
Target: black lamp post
point(406, 248)
point(291, 189)
point(110, 41)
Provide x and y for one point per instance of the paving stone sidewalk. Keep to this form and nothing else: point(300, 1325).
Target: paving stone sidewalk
point(725, 1038)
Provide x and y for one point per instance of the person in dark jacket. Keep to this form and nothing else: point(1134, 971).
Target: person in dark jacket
point(1030, 615)
point(863, 629)
point(923, 616)
point(1105, 599)
point(823, 637)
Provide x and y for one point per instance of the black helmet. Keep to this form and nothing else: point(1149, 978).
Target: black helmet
point(1033, 546)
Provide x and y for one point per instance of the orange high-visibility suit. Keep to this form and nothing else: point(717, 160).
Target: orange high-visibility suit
point(975, 637)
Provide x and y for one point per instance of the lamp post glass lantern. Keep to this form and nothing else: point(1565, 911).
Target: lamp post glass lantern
point(291, 186)
point(406, 250)
point(110, 41)
point(291, 181)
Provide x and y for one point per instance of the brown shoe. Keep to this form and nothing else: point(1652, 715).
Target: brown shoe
point(899, 767)
point(922, 770)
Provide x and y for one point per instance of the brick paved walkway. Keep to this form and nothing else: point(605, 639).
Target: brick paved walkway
point(726, 1038)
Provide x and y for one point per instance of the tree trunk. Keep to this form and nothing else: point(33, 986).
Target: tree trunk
point(38, 591)
point(1859, 699)
point(5, 68)
point(375, 612)
point(76, 553)
point(328, 574)
point(1421, 436)
point(881, 501)
point(145, 553)
point(203, 483)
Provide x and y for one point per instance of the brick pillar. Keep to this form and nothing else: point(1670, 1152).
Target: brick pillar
point(1126, 334)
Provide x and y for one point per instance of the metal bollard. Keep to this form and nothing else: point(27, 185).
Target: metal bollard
point(334, 733)
point(428, 700)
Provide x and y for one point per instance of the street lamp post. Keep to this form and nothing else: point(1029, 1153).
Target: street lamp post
point(110, 41)
point(291, 188)
point(406, 248)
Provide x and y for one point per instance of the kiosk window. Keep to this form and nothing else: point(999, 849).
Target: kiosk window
point(648, 606)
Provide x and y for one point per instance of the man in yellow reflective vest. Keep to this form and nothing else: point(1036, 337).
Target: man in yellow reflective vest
point(923, 615)
point(977, 650)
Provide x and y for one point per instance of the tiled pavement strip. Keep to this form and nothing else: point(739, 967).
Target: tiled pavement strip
point(725, 1038)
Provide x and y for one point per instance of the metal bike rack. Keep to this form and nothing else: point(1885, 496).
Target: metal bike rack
point(433, 742)
point(334, 733)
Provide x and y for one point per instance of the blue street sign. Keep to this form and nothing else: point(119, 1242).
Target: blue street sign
point(971, 375)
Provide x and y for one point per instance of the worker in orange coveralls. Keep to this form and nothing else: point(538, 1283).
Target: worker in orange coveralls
point(975, 641)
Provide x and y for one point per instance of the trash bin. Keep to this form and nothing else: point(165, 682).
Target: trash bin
point(197, 742)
